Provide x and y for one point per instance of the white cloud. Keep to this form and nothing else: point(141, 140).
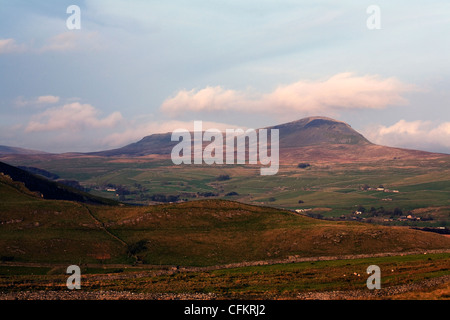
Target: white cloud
point(47, 99)
point(41, 100)
point(207, 99)
point(11, 46)
point(74, 117)
point(419, 134)
point(66, 41)
point(70, 40)
point(339, 92)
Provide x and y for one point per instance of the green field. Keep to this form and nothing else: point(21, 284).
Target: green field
point(332, 190)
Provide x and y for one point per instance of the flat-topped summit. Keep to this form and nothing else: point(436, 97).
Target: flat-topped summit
point(317, 130)
point(304, 132)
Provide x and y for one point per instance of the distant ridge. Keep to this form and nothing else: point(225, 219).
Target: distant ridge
point(15, 150)
point(159, 143)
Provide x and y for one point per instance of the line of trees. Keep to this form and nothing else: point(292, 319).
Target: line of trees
point(381, 211)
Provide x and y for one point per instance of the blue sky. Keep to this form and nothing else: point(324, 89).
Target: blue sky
point(141, 67)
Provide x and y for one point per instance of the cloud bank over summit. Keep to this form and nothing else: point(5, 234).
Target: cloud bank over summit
point(337, 93)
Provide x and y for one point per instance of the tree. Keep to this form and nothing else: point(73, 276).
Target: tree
point(223, 177)
point(137, 247)
point(381, 210)
point(172, 198)
point(361, 209)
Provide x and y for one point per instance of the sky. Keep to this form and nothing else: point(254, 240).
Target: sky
point(139, 67)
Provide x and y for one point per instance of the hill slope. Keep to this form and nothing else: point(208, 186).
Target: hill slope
point(50, 189)
point(33, 229)
point(14, 150)
point(153, 144)
point(198, 233)
point(217, 232)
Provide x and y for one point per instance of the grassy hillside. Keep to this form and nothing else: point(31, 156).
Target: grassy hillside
point(33, 229)
point(207, 232)
point(217, 232)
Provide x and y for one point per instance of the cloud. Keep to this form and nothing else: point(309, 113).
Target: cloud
point(63, 42)
point(38, 101)
point(11, 46)
point(70, 40)
point(47, 99)
point(74, 117)
point(419, 134)
point(207, 99)
point(339, 92)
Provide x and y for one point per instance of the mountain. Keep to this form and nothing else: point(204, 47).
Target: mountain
point(308, 139)
point(305, 132)
point(50, 189)
point(14, 150)
point(153, 144)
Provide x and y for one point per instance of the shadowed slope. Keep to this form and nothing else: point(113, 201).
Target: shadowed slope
point(50, 189)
